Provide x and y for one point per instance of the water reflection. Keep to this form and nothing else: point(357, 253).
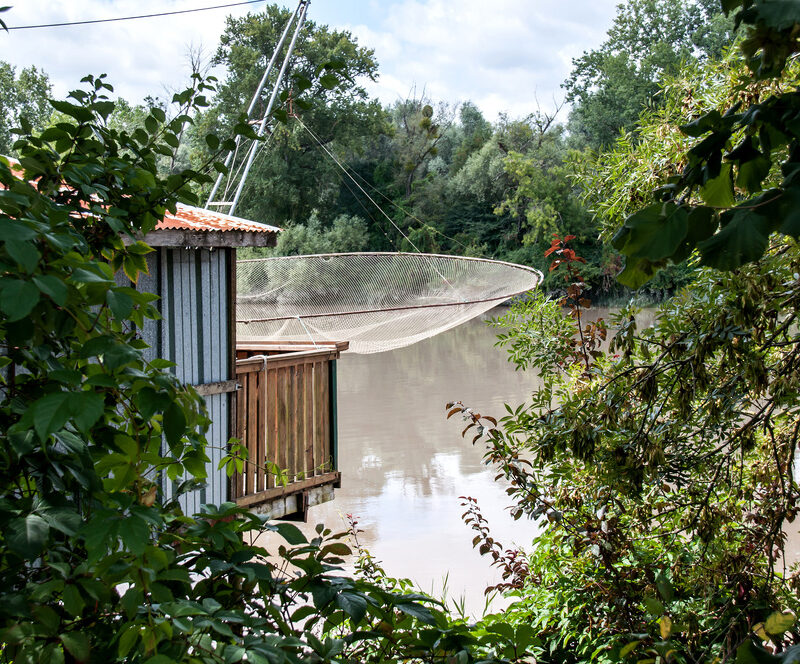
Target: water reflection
point(404, 465)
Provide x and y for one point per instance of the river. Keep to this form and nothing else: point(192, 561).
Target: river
point(404, 465)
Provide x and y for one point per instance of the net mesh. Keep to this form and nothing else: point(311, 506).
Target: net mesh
point(375, 301)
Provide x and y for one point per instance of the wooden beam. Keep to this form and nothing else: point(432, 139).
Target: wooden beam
point(175, 237)
point(285, 359)
point(290, 346)
point(294, 487)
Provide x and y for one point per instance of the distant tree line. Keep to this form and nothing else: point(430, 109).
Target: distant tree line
point(451, 181)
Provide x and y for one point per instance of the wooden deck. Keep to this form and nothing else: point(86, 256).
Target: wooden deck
point(286, 418)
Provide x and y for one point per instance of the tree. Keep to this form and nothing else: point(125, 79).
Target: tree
point(662, 470)
point(345, 234)
point(736, 183)
point(610, 86)
point(475, 130)
point(293, 176)
point(417, 134)
point(23, 99)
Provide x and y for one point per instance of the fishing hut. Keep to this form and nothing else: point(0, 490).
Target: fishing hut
point(278, 399)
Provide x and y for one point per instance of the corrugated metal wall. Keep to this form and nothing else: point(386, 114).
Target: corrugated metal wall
point(194, 333)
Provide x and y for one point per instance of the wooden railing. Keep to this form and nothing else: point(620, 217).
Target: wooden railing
point(286, 419)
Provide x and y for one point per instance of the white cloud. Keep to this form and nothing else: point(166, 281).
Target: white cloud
point(141, 57)
point(504, 55)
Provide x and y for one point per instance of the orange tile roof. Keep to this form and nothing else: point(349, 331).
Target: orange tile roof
point(197, 219)
point(188, 217)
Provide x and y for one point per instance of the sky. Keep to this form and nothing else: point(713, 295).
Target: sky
point(506, 56)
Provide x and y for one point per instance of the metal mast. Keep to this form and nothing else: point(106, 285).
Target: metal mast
point(299, 14)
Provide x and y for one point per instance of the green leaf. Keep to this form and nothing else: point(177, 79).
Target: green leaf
point(18, 298)
point(97, 346)
point(636, 273)
point(80, 113)
point(120, 355)
point(777, 14)
point(777, 623)
point(171, 140)
point(174, 423)
point(151, 124)
point(86, 408)
point(135, 535)
point(353, 605)
point(50, 413)
point(212, 141)
point(120, 303)
point(752, 173)
point(503, 629)
point(301, 82)
point(417, 611)
point(743, 239)
point(77, 644)
point(628, 648)
point(63, 519)
point(654, 233)
point(653, 606)
point(702, 224)
point(328, 81)
point(81, 276)
point(788, 211)
point(718, 192)
point(160, 659)
point(24, 253)
point(72, 599)
point(702, 125)
point(291, 533)
point(127, 640)
point(16, 230)
point(337, 549)
point(148, 401)
point(665, 588)
point(750, 653)
point(53, 287)
point(27, 536)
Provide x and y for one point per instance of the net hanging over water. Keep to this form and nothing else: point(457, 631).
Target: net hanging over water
point(375, 301)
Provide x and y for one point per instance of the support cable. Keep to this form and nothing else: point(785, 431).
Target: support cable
point(251, 157)
point(364, 191)
point(256, 96)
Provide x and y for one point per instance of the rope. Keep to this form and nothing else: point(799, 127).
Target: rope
point(300, 320)
point(364, 191)
point(129, 18)
point(381, 194)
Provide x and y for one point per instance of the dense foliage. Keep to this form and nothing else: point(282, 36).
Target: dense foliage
point(738, 184)
point(649, 40)
point(663, 467)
